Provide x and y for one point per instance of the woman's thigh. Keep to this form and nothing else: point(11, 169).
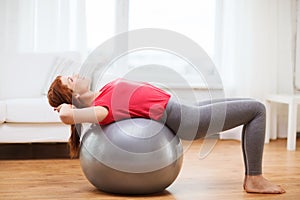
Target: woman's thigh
point(193, 122)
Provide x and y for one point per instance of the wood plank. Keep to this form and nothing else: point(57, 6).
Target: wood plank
point(219, 176)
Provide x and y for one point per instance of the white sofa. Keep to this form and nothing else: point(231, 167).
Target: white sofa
point(25, 115)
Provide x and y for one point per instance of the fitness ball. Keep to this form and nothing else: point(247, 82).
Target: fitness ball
point(132, 156)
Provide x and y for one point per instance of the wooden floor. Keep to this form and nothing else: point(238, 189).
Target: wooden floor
point(219, 176)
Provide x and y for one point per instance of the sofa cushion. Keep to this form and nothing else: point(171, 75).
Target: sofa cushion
point(2, 111)
point(30, 132)
point(30, 110)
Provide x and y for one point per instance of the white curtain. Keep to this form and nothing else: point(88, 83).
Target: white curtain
point(255, 46)
point(42, 25)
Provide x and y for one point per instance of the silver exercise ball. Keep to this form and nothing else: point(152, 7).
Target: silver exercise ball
point(132, 156)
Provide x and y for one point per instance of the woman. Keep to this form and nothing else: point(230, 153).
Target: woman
point(120, 99)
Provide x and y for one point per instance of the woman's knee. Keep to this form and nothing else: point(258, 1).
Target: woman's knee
point(260, 108)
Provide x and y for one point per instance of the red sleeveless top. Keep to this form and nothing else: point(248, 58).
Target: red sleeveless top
point(128, 99)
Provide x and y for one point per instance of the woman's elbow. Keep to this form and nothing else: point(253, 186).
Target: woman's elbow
point(66, 119)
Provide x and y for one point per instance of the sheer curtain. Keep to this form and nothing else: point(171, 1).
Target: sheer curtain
point(254, 48)
point(42, 26)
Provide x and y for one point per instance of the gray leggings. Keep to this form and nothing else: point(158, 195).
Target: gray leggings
point(210, 117)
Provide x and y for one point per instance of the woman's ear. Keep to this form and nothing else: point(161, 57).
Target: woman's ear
point(76, 101)
point(77, 96)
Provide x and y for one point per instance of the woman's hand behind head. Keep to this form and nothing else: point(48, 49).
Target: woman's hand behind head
point(64, 106)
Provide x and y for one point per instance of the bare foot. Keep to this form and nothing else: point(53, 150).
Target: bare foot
point(258, 184)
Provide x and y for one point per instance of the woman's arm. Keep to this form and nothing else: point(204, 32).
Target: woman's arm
point(71, 115)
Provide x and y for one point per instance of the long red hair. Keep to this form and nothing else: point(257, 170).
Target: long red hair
point(57, 95)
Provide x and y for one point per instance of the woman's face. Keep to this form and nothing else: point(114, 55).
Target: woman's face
point(79, 85)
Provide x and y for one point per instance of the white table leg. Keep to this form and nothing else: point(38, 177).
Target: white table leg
point(273, 133)
point(271, 121)
point(292, 123)
point(268, 121)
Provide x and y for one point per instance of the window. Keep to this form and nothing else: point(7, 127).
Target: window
point(192, 18)
point(100, 22)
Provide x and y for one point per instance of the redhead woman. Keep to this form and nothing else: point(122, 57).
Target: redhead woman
point(121, 99)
